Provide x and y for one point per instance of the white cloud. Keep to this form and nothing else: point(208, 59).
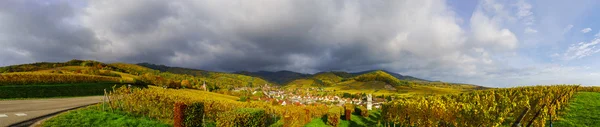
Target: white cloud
point(529, 30)
point(582, 49)
point(487, 29)
point(586, 30)
point(524, 12)
point(568, 28)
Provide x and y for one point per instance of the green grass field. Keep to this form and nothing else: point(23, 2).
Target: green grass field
point(94, 116)
point(583, 111)
point(54, 90)
point(355, 120)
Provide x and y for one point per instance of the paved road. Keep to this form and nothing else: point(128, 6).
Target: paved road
point(15, 111)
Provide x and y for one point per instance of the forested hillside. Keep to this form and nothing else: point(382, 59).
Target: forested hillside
point(279, 77)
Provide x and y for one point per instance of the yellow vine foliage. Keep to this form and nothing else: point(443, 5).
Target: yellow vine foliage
point(49, 78)
point(158, 103)
point(480, 108)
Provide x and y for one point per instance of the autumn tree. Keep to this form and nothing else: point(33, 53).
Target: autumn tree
point(186, 84)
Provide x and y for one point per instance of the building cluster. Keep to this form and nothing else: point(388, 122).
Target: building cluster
point(287, 98)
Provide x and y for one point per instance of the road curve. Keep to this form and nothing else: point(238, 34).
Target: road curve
point(16, 111)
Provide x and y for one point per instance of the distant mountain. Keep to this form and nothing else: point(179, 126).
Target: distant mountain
point(279, 77)
point(177, 70)
point(285, 77)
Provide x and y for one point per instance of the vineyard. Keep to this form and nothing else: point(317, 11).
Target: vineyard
point(214, 81)
point(522, 105)
point(495, 107)
point(240, 100)
point(158, 103)
point(51, 78)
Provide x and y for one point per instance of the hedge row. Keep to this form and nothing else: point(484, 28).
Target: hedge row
point(363, 111)
point(158, 103)
point(194, 115)
point(57, 90)
point(243, 117)
point(333, 116)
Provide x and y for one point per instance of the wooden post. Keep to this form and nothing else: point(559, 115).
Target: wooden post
point(517, 122)
point(104, 100)
point(536, 115)
point(550, 120)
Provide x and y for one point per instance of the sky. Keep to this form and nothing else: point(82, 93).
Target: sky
point(495, 43)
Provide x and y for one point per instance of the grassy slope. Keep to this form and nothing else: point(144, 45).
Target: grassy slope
point(222, 80)
point(206, 74)
point(361, 87)
point(71, 69)
point(369, 84)
point(583, 111)
point(94, 116)
point(355, 120)
point(300, 83)
point(376, 87)
point(328, 77)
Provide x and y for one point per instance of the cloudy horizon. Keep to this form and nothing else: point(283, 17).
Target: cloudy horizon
point(495, 43)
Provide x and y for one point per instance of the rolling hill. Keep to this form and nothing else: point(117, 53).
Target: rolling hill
point(161, 75)
point(285, 77)
point(396, 75)
point(279, 77)
point(377, 81)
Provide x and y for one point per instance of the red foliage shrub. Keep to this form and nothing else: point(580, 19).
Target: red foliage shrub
point(178, 114)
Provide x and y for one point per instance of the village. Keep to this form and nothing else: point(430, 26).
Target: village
point(294, 97)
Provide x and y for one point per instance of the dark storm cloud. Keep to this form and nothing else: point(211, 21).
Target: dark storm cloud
point(422, 38)
point(32, 31)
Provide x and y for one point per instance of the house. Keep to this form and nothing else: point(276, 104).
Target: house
point(283, 103)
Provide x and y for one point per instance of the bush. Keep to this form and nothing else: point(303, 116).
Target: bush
point(363, 111)
point(194, 115)
point(243, 98)
point(297, 116)
point(243, 117)
point(349, 107)
point(333, 116)
point(178, 114)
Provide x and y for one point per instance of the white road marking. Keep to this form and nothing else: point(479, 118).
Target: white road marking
point(21, 114)
point(3, 115)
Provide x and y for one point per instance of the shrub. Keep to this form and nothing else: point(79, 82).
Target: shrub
point(333, 116)
point(297, 116)
point(178, 114)
point(173, 84)
point(186, 84)
point(243, 117)
point(194, 115)
point(348, 110)
point(363, 111)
